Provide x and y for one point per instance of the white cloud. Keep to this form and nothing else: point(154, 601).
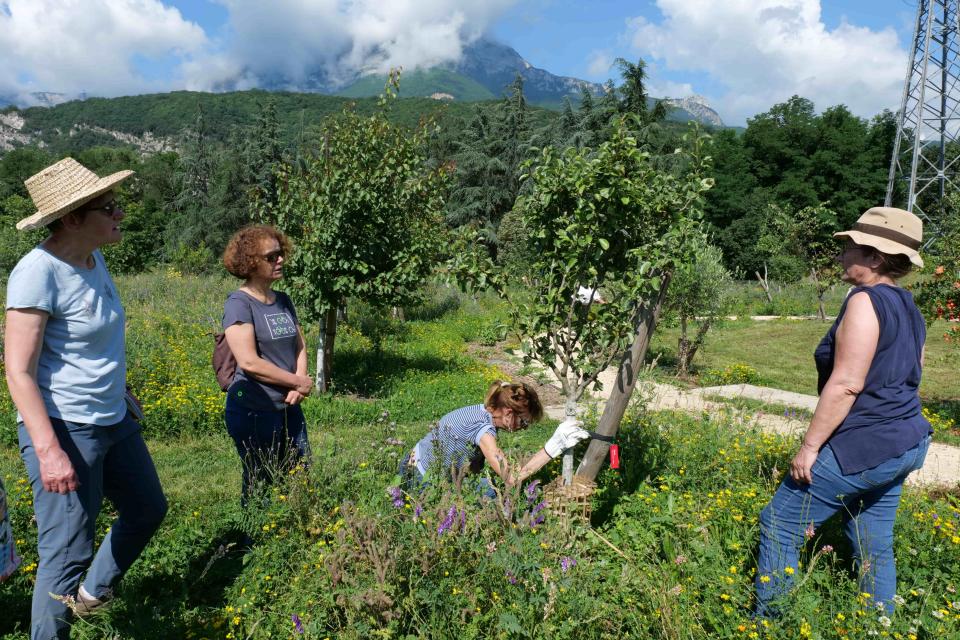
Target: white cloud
point(670, 89)
point(71, 46)
point(599, 64)
point(297, 39)
point(763, 51)
point(99, 46)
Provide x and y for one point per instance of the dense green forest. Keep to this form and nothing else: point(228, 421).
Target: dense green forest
point(225, 148)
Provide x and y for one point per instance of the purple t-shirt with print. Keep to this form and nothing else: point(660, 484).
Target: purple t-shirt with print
point(275, 329)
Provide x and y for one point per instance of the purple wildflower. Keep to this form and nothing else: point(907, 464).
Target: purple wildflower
point(567, 563)
point(396, 494)
point(417, 510)
point(451, 514)
point(531, 491)
point(536, 515)
point(298, 625)
point(512, 579)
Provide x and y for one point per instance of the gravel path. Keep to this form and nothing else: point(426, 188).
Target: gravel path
point(942, 466)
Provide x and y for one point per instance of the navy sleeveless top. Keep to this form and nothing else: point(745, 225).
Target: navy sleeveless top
point(886, 419)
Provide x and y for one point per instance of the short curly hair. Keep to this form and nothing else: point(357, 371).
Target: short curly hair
point(242, 255)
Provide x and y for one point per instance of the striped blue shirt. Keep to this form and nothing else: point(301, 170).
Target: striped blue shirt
point(456, 438)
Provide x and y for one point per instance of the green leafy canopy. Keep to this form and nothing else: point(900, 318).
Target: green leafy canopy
point(610, 221)
point(365, 213)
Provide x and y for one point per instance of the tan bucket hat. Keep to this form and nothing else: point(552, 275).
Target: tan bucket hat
point(890, 231)
point(63, 187)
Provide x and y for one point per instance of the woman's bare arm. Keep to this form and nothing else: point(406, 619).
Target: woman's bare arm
point(534, 464)
point(856, 344)
point(242, 341)
point(495, 458)
point(23, 340)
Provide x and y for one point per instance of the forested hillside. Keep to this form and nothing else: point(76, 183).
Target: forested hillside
point(213, 155)
point(169, 114)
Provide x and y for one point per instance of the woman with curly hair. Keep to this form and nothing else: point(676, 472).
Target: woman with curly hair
point(263, 413)
point(465, 440)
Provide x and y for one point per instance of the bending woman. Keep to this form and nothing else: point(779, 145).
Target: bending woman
point(467, 437)
point(867, 433)
point(66, 370)
point(263, 413)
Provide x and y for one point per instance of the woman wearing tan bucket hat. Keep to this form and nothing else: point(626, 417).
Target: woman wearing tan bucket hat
point(867, 433)
point(66, 370)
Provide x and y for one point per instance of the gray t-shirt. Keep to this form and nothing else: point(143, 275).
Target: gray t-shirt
point(82, 368)
point(275, 330)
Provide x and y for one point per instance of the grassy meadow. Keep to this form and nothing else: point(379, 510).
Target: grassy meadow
point(670, 552)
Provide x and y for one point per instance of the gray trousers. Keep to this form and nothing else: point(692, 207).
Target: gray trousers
point(110, 461)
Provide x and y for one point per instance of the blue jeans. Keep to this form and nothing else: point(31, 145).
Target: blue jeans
point(268, 442)
point(110, 461)
point(868, 500)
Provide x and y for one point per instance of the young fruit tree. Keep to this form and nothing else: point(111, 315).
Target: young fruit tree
point(807, 236)
point(365, 213)
point(600, 224)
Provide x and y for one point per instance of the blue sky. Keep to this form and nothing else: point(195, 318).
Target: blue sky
point(742, 55)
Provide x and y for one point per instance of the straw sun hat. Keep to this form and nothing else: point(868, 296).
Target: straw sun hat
point(63, 187)
point(889, 231)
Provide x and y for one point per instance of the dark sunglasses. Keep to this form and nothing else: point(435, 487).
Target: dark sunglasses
point(273, 256)
point(108, 209)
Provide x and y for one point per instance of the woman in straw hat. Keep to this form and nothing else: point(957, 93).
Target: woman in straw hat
point(66, 370)
point(867, 433)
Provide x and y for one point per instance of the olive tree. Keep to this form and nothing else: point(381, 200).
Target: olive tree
point(365, 212)
point(699, 292)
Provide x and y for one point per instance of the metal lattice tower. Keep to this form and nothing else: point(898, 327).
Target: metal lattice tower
point(926, 152)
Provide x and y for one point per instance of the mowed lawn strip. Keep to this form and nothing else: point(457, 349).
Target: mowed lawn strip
point(782, 353)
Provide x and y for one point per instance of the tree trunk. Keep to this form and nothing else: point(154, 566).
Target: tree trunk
point(397, 313)
point(698, 341)
point(764, 282)
point(630, 364)
point(683, 348)
point(821, 313)
point(569, 411)
point(342, 313)
point(328, 333)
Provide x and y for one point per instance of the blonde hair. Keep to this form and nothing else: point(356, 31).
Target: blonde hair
point(520, 398)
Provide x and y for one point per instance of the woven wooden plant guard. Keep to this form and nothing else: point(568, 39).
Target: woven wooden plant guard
point(570, 503)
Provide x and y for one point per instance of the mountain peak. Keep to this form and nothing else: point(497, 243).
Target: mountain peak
point(496, 66)
point(698, 108)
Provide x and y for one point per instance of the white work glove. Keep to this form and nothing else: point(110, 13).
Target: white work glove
point(567, 435)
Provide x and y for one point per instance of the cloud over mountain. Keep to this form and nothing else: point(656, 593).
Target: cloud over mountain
point(764, 51)
point(115, 47)
point(94, 46)
point(290, 42)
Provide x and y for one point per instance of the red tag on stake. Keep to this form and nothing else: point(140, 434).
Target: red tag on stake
point(614, 456)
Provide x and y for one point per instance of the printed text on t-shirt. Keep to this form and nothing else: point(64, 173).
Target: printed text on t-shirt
point(281, 325)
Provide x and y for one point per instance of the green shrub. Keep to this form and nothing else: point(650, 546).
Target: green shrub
point(738, 373)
